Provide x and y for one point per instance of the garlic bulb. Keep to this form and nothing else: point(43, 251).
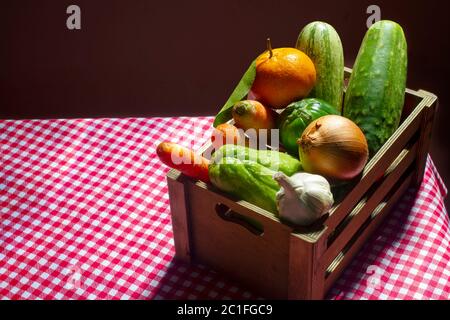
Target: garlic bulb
point(303, 198)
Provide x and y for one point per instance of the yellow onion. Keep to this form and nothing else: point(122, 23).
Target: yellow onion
point(334, 147)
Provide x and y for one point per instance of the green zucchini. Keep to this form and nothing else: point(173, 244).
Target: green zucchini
point(322, 44)
point(376, 91)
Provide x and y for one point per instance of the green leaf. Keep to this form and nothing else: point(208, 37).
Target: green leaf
point(241, 90)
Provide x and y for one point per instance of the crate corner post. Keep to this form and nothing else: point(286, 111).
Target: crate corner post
point(179, 214)
point(306, 281)
point(430, 101)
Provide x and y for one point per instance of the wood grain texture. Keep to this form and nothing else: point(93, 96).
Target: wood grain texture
point(344, 258)
point(179, 212)
point(258, 262)
point(301, 268)
point(368, 204)
point(425, 134)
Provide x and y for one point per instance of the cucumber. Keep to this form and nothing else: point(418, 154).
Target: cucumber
point(322, 44)
point(376, 90)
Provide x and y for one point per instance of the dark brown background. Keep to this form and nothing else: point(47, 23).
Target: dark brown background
point(148, 58)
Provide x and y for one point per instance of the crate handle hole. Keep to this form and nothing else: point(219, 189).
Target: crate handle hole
point(225, 213)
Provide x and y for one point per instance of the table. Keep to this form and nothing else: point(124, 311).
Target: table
point(85, 215)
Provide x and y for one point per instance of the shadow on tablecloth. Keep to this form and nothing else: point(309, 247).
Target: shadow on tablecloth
point(184, 281)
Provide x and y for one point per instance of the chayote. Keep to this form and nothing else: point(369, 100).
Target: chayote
point(274, 160)
point(247, 180)
point(247, 173)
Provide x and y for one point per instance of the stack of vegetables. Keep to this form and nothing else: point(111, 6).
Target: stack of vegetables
point(327, 138)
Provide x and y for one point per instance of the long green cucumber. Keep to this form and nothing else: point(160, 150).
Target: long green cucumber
point(376, 91)
point(322, 44)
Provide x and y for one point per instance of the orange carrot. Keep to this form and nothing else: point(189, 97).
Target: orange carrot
point(252, 114)
point(184, 160)
point(225, 133)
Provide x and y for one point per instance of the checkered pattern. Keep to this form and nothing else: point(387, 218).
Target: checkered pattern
point(409, 256)
point(85, 215)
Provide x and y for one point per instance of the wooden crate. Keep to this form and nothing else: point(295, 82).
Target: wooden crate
point(278, 262)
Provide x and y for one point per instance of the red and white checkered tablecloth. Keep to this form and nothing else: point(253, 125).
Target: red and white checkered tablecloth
point(85, 215)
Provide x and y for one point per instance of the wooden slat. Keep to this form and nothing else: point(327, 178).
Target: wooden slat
point(267, 219)
point(344, 258)
point(414, 93)
point(206, 150)
point(431, 97)
point(425, 135)
point(365, 207)
point(377, 165)
point(179, 212)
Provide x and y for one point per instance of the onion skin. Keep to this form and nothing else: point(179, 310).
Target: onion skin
point(334, 147)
